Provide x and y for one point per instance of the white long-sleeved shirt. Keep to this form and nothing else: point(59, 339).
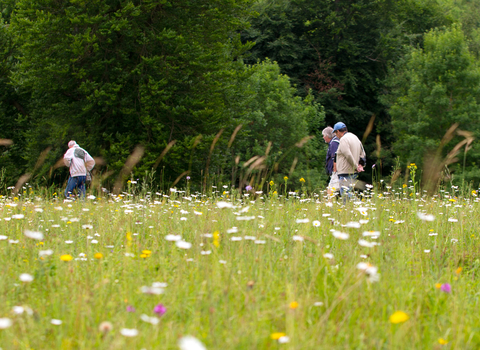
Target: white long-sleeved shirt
point(348, 154)
point(78, 167)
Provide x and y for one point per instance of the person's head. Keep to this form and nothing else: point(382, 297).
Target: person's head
point(328, 134)
point(340, 129)
point(72, 144)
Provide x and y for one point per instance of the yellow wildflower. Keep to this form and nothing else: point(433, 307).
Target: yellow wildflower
point(66, 257)
point(457, 271)
point(302, 180)
point(438, 285)
point(398, 317)
point(277, 335)
point(442, 341)
point(216, 239)
point(272, 183)
point(98, 255)
point(412, 166)
point(285, 178)
point(293, 305)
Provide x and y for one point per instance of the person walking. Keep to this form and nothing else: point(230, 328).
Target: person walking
point(349, 157)
point(333, 142)
point(80, 164)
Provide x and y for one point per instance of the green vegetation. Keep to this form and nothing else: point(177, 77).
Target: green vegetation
point(437, 87)
point(263, 271)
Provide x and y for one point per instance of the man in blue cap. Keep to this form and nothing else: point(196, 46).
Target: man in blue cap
point(348, 157)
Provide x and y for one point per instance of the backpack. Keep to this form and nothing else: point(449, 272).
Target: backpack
point(80, 153)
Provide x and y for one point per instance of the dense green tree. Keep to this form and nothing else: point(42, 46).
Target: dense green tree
point(115, 74)
point(270, 119)
point(467, 12)
point(274, 118)
point(342, 50)
point(435, 87)
point(13, 115)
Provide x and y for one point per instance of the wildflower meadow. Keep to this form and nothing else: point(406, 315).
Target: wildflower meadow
point(392, 268)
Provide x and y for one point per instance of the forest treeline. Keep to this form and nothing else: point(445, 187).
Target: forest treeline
point(236, 91)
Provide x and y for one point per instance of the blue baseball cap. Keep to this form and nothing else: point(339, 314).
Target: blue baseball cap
point(339, 126)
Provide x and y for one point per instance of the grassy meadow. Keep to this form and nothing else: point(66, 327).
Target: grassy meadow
point(391, 269)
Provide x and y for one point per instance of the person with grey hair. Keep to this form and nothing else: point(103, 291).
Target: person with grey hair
point(80, 164)
point(333, 142)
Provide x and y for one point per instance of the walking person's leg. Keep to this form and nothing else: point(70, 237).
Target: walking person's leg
point(71, 184)
point(347, 185)
point(352, 180)
point(343, 187)
point(81, 186)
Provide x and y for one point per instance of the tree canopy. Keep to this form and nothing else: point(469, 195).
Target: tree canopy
point(438, 86)
point(204, 86)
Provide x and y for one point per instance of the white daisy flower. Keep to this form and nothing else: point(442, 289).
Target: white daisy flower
point(5, 323)
point(152, 320)
point(223, 204)
point(352, 224)
point(183, 245)
point(25, 277)
point(33, 235)
point(126, 332)
point(173, 238)
point(425, 217)
point(340, 235)
point(190, 343)
point(45, 252)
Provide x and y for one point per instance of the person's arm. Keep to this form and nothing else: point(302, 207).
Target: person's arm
point(334, 146)
point(67, 159)
point(363, 154)
point(89, 161)
point(329, 160)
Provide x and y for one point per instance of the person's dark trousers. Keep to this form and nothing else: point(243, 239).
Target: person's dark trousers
point(76, 182)
point(347, 184)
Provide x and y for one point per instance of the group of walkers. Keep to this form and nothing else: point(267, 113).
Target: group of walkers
point(80, 164)
point(345, 159)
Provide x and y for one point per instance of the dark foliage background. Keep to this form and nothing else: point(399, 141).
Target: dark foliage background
point(116, 74)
